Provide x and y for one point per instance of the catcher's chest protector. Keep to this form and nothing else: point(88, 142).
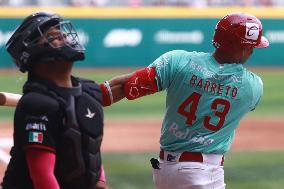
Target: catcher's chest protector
point(78, 152)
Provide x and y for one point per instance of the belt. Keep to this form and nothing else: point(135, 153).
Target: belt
point(187, 157)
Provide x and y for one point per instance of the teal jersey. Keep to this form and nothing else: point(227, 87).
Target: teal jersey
point(205, 100)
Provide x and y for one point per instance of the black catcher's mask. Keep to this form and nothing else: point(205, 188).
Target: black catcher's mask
point(30, 45)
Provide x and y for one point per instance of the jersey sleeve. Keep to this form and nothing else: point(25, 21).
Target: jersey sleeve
point(37, 122)
point(257, 91)
point(167, 66)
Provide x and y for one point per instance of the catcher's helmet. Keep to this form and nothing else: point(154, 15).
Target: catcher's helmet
point(239, 30)
point(26, 49)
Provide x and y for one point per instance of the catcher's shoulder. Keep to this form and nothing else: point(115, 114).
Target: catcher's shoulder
point(39, 103)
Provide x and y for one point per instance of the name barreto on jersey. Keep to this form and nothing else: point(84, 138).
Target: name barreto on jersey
point(214, 88)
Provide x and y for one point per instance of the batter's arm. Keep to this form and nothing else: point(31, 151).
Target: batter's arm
point(113, 90)
point(140, 83)
point(117, 86)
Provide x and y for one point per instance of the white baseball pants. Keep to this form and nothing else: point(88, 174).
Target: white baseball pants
point(208, 174)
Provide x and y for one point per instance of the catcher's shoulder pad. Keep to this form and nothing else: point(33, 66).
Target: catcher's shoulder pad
point(38, 103)
point(91, 87)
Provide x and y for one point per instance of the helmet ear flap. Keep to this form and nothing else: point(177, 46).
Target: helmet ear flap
point(225, 41)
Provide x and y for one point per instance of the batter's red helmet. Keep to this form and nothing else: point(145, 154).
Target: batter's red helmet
point(239, 30)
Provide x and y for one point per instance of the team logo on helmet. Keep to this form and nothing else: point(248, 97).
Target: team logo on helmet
point(252, 31)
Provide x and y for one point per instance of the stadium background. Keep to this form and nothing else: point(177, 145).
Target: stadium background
point(122, 35)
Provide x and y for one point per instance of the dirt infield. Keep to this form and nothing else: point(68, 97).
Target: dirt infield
point(133, 136)
point(253, 134)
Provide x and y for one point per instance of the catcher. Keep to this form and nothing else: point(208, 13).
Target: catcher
point(58, 123)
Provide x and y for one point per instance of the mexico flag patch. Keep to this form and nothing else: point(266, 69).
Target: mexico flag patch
point(35, 137)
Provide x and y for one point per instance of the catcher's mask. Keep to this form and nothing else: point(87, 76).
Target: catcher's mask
point(33, 41)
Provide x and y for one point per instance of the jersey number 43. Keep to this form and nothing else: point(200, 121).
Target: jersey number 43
point(193, 100)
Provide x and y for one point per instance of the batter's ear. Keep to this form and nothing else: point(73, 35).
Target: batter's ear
point(37, 103)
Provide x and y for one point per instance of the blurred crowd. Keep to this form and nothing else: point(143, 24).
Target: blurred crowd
point(137, 3)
